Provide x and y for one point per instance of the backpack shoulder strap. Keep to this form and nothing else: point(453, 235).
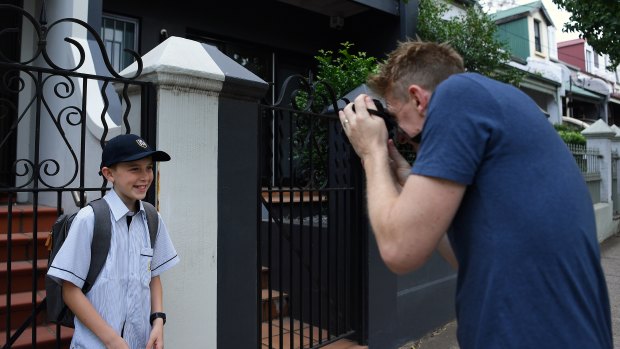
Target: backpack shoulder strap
point(152, 220)
point(100, 245)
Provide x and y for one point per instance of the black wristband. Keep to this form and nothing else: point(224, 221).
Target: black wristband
point(158, 315)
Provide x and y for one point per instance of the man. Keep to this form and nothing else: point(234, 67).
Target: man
point(493, 173)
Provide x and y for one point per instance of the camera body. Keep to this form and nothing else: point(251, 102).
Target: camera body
point(390, 122)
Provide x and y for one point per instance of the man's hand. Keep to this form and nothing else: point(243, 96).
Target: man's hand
point(367, 133)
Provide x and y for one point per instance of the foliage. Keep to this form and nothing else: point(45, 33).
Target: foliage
point(346, 71)
point(598, 22)
point(570, 135)
point(342, 71)
point(473, 36)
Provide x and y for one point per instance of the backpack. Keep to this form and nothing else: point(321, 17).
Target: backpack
point(57, 311)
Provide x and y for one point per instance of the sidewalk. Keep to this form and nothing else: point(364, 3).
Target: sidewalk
point(445, 337)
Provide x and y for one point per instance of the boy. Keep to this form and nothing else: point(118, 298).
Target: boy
point(123, 309)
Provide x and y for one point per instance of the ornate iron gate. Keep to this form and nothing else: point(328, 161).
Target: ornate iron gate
point(312, 230)
point(51, 143)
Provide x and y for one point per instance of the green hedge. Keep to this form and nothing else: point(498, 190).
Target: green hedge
point(570, 134)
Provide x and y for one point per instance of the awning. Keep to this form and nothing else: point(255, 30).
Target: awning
point(540, 84)
point(585, 94)
point(614, 100)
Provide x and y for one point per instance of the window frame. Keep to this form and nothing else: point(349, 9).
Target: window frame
point(119, 65)
point(537, 36)
point(596, 59)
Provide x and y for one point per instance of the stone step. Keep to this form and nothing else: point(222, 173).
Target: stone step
point(21, 275)
point(21, 308)
point(46, 338)
point(23, 218)
point(274, 304)
point(22, 246)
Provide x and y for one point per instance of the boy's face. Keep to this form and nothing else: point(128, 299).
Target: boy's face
point(130, 179)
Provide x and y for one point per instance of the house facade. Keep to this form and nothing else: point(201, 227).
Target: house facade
point(590, 72)
point(566, 79)
point(529, 33)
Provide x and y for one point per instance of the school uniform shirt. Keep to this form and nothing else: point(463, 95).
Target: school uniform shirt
point(121, 293)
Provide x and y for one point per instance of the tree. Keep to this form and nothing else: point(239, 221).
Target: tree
point(598, 23)
point(472, 35)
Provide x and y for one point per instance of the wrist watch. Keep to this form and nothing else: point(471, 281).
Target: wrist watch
point(156, 316)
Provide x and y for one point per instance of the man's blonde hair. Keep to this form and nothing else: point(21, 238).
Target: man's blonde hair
point(415, 62)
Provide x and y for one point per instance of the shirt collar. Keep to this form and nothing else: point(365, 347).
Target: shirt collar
point(117, 206)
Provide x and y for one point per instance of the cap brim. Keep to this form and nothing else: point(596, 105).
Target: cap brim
point(156, 155)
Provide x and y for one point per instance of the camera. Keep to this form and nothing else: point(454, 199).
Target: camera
point(390, 122)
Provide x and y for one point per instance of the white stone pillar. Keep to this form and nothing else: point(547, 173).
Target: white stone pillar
point(187, 84)
point(207, 120)
point(599, 136)
point(615, 148)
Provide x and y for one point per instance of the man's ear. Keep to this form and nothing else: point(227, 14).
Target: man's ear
point(421, 96)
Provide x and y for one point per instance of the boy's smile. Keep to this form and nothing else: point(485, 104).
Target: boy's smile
point(131, 180)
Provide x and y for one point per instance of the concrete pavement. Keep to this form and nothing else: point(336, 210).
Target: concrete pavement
point(610, 258)
point(445, 337)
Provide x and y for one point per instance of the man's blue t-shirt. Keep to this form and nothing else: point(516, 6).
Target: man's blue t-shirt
point(525, 234)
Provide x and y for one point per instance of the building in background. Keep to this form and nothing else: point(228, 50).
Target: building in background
point(529, 33)
point(595, 89)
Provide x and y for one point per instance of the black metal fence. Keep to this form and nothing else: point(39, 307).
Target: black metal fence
point(45, 143)
point(312, 233)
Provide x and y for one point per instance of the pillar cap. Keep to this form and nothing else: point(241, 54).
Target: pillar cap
point(599, 129)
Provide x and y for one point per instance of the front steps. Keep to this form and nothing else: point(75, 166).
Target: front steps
point(20, 260)
point(301, 335)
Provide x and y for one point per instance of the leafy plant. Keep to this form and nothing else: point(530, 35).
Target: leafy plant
point(342, 71)
point(473, 36)
point(598, 22)
point(570, 135)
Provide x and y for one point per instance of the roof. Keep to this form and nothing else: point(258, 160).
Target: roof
point(521, 11)
point(571, 42)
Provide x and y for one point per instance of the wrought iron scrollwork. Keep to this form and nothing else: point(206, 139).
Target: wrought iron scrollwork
point(37, 80)
point(41, 31)
point(307, 95)
point(311, 107)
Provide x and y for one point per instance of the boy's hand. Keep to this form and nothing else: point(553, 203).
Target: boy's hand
point(156, 339)
point(118, 343)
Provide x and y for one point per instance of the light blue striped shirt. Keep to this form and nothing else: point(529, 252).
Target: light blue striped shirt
point(121, 293)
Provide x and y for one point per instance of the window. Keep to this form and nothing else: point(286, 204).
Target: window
point(537, 40)
point(596, 59)
point(588, 61)
point(119, 33)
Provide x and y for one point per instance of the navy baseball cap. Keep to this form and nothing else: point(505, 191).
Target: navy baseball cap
point(129, 147)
